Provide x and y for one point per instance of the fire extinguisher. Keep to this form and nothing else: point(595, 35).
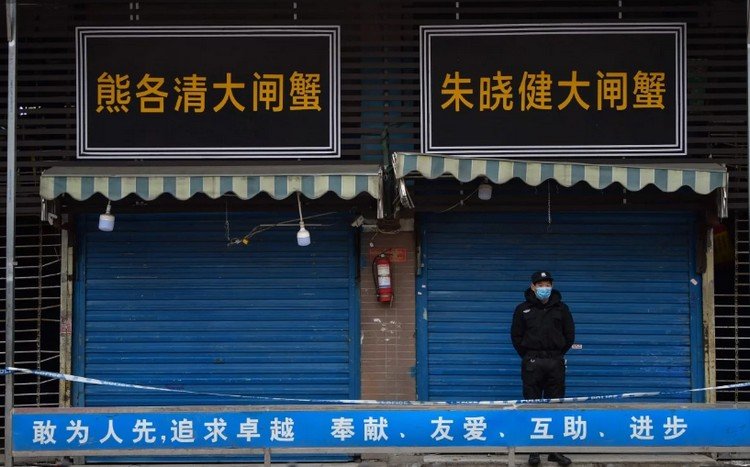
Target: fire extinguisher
point(381, 272)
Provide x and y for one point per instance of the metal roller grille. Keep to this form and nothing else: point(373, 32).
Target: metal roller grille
point(37, 311)
point(733, 320)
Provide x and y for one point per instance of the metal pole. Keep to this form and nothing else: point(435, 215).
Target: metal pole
point(10, 228)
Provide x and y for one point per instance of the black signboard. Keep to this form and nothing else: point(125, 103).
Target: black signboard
point(210, 92)
point(554, 90)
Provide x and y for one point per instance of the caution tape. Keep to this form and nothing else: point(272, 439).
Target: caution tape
point(507, 403)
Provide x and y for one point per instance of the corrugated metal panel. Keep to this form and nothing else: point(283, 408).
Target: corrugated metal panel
point(626, 277)
point(163, 301)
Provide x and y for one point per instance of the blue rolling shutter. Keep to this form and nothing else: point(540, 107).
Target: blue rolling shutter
point(629, 280)
point(164, 301)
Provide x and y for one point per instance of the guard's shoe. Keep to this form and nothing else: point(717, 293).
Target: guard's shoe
point(559, 458)
point(534, 459)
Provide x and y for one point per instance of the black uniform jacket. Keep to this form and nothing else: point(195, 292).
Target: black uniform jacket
point(542, 326)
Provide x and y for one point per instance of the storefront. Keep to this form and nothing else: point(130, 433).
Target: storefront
point(215, 302)
point(632, 278)
point(522, 143)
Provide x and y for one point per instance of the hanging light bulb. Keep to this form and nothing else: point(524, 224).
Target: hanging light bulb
point(485, 190)
point(303, 236)
point(107, 220)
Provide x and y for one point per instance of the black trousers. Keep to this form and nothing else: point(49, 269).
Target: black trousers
point(543, 378)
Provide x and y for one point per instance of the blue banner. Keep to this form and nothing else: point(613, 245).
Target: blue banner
point(121, 430)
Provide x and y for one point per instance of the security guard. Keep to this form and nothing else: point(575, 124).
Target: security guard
point(542, 332)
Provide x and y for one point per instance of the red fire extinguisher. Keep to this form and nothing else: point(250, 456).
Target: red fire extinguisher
point(381, 271)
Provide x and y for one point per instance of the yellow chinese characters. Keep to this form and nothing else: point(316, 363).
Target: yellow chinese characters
point(112, 93)
point(612, 87)
point(228, 86)
point(535, 91)
point(194, 93)
point(151, 97)
point(305, 91)
point(539, 91)
point(191, 93)
point(573, 84)
point(454, 87)
point(495, 90)
point(648, 89)
point(268, 89)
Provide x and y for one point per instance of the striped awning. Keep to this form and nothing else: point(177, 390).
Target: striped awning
point(346, 180)
point(703, 178)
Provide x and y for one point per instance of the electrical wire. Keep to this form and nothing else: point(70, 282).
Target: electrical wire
point(461, 202)
point(265, 227)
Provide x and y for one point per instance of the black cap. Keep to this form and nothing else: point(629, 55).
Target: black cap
point(541, 276)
